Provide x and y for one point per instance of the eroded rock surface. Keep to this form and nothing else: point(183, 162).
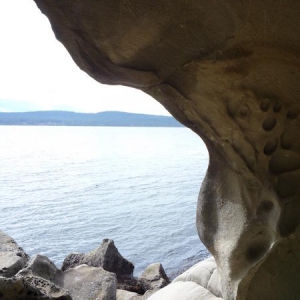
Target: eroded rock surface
point(42, 266)
point(230, 71)
point(31, 288)
point(153, 278)
point(106, 256)
point(12, 257)
point(81, 282)
point(90, 283)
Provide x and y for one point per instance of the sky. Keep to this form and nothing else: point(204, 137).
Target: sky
point(37, 73)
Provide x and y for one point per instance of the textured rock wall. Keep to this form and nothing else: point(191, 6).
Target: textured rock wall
point(230, 71)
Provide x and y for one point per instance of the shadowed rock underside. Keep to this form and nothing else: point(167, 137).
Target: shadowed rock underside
point(230, 71)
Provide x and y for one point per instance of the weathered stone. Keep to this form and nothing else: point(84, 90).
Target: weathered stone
point(90, 283)
point(12, 257)
point(106, 256)
point(130, 284)
point(229, 70)
point(72, 260)
point(42, 266)
point(153, 278)
point(30, 288)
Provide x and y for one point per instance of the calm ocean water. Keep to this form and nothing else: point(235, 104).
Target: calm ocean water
point(64, 189)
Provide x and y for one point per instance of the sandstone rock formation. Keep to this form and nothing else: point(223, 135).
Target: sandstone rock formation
point(205, 274)
point(126, 295)
point(230, 71)
point(199, 282)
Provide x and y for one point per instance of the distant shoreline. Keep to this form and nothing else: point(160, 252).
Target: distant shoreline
point(65, 118)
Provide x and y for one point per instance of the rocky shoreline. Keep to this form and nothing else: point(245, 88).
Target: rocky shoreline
point(102, 274)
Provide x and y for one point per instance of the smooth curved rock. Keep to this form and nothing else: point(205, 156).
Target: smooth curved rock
point(229, 70)
point(202, 279)
point(205, 274)
point(126, 295)
point(12, 257)
point(184, 291)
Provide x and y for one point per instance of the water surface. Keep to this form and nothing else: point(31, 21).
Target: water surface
point(64, 189)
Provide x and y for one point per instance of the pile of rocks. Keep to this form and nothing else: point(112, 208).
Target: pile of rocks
point(102, 274)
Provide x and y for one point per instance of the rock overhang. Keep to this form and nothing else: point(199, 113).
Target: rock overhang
point(230, 71)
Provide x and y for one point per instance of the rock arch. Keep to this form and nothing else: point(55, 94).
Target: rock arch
point(230, 71)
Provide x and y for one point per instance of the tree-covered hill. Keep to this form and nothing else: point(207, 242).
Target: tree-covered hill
point(65, 118)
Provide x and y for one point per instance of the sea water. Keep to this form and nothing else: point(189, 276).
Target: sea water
point(65, 189)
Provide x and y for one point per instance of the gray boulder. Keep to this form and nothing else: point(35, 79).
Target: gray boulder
point(90, 283)
point(12, 257)
point(31, 288)
point(106, 256)
point(72, 260)
point(153, 278)
point(42, 266)
point(81, 282)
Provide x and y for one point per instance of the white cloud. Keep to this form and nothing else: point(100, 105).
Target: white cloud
point(37, 70)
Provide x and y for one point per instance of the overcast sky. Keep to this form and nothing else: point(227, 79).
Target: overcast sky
point(37, 73)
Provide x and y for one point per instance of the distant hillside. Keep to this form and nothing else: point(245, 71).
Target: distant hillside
point(65, 118)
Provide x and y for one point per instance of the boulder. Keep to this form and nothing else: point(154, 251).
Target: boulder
point(81, 282)
point(106, 256)
point(90, 283)
point(31, 288)
point(72, 260)
point(153, 278)
point(12, 257)
point(42, 266)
